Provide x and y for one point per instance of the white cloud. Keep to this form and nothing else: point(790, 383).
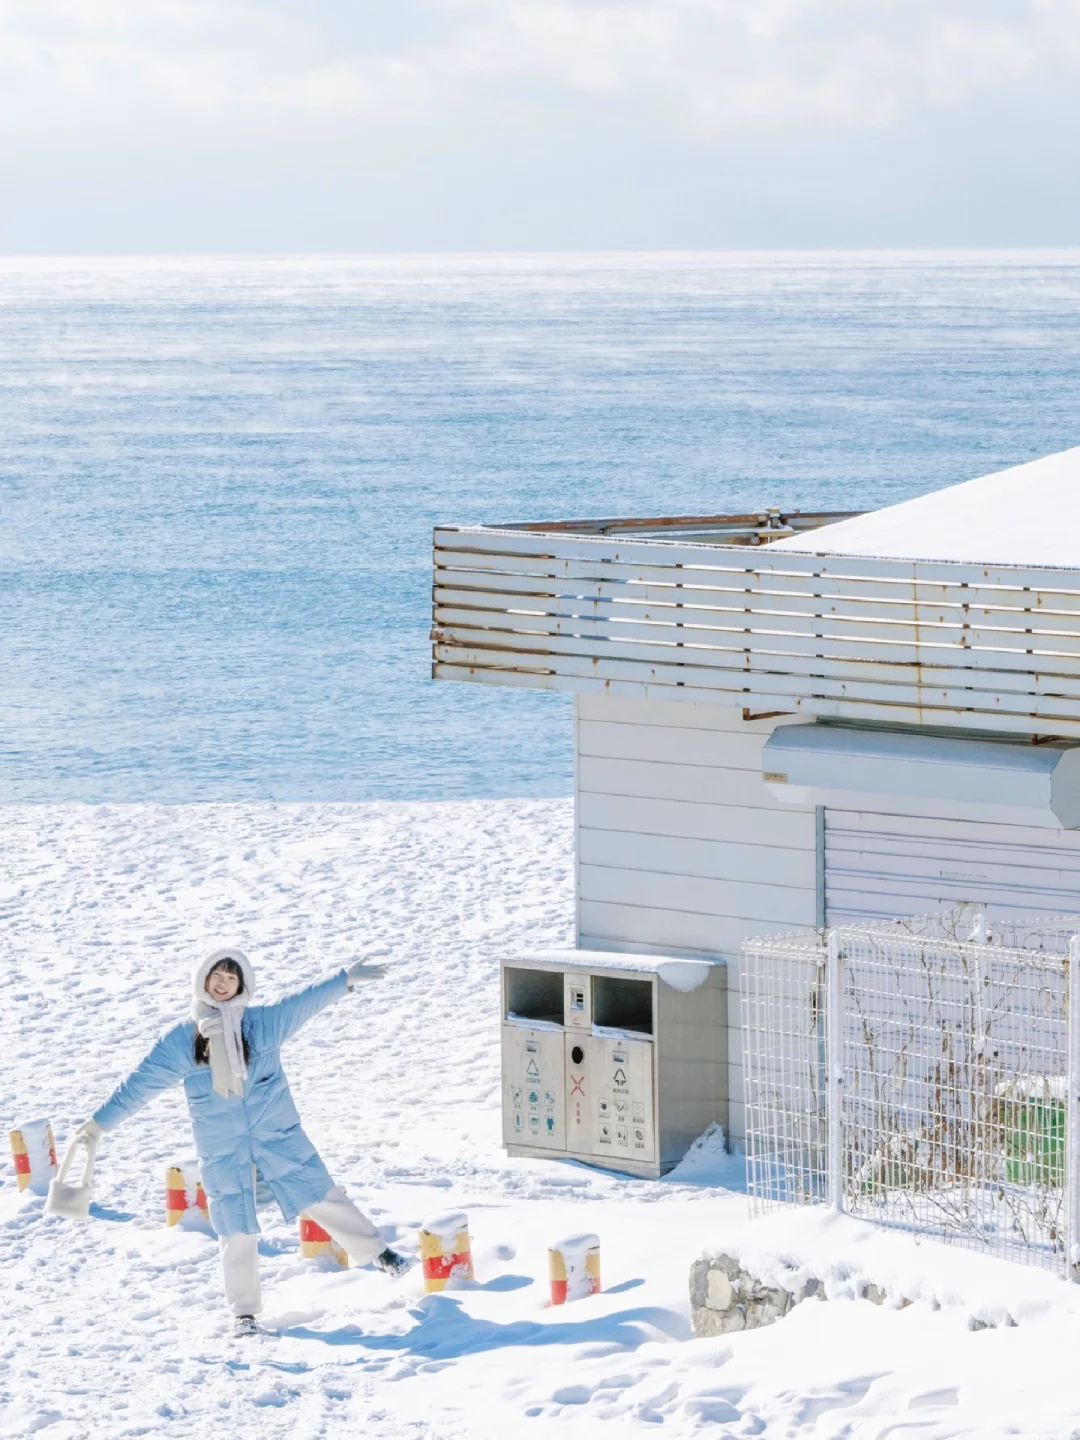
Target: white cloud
point(705, 64)
point(723, 62)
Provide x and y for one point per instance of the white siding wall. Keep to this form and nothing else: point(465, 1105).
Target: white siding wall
point(680, 847)
point(879, 865)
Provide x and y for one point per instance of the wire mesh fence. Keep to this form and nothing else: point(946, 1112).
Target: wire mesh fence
point(784, 1049)
point(970, 923)
point(919, 1077)
point(954, 1061)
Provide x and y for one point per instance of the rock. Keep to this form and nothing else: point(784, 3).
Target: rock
point(726, 1298)
point(699, 1281)
point(718, 1292)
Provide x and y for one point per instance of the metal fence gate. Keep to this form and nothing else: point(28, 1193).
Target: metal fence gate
point(921, 1080)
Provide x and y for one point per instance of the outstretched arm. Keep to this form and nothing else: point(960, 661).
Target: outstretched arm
point(286, 1017)
point(165, 1066)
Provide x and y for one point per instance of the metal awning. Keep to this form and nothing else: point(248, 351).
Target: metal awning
point(902, 773)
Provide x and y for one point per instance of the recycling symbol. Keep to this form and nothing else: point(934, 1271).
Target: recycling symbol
point(532, 1072)
point(620, 1076)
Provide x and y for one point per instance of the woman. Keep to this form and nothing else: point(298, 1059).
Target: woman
point(228, 1056)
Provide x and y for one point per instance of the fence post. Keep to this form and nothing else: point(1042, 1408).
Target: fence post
point(1072, 1118)
point(834, 1034)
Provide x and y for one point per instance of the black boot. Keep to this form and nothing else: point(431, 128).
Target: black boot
point(391, 1263)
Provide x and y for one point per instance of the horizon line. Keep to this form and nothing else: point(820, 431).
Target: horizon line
point(552, 252)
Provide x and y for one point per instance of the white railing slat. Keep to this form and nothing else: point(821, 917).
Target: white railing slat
point(989, 647)
point(790, 636)
point(589, 549)
point(1006, 686)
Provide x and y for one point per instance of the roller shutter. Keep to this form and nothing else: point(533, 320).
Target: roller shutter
point(880, 866)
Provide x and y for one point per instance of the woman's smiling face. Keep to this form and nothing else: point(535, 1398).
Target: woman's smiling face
point(221, 985)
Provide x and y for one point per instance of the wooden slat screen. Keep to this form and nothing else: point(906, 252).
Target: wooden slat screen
point(980, 647)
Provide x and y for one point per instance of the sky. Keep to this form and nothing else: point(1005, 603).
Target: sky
point(271, 125)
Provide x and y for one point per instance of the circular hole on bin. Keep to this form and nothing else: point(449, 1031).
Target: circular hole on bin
point(577, 1054)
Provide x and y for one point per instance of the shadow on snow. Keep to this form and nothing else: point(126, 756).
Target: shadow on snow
point(444, 1331)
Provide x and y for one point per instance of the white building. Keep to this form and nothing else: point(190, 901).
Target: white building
point(928, 652)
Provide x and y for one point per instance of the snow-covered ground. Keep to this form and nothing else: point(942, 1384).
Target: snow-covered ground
point(117, 1327)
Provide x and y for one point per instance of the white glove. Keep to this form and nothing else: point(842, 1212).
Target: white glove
point(90, 1132)
point(211, 1025)
point(363, 971)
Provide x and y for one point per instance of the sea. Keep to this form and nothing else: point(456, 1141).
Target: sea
point(219, 477)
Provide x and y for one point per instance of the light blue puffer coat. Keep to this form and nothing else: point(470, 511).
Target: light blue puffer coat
point(233, 1134)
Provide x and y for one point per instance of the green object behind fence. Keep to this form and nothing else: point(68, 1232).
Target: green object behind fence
point(1035, 1142)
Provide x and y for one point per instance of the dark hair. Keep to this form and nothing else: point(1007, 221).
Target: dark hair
point(202, 1045)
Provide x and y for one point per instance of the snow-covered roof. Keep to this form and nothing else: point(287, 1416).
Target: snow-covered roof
point(1026, 515)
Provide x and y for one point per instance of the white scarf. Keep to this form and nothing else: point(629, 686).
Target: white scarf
point(227, 1048)
point(227, 1067)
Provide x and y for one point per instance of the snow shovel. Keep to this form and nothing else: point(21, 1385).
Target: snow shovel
point(67, 1198)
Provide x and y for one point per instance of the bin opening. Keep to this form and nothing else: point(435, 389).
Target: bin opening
point(621, 1004)
point(534, 995)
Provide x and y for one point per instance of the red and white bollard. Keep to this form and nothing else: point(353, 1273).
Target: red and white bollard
point(315, 1241)
point(574, 1268)
point(34, 1154)
point(184, 1192)
point(445, 1251)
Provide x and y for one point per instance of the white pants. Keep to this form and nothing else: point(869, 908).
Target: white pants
point(337, 1215)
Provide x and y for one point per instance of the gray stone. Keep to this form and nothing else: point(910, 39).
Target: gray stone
point(718, 1291)
point(726, 1298)
point(699, 1281)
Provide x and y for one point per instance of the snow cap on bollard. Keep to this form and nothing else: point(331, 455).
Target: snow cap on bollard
point(574, 1268)
point(184, 1192)
point(34, 1153)
point(315, 1241)
point(445, 1250)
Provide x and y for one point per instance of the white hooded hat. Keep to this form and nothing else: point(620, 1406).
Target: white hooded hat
point(228, 952)
point(222, 1021)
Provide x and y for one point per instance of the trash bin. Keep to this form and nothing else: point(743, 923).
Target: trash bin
point(618, 1060)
